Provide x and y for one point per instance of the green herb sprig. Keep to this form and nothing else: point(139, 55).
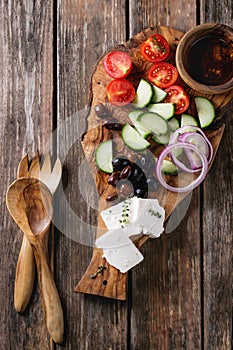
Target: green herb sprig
point(154, 213)
point(100, 270)
point(125, 213)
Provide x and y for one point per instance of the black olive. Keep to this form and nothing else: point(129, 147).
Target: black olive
point(112, 197)
point(101, 111)
point(152, 183)
point(125, 172)
point(125, 188)
point(137, 175)
point(112, 124)
point(113, 178)
point(147, 162)
point(119, 163)
point(140, 192)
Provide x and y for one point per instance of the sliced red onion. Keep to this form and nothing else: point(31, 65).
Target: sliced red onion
point(196, 182)
point(182, 135)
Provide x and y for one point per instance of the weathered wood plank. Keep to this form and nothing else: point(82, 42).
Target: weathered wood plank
point(26, 110)
point(217, 222)
point(166, 287)
point(86, 29)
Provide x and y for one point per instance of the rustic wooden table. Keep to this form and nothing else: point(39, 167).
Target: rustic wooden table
point(180, 297)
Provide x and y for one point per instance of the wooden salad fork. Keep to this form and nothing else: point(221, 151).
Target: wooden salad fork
point(29, 202)
point(25, 270)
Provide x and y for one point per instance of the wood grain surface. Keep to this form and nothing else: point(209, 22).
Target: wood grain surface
point(180, 297)
point(111, 283)
point(26, 112)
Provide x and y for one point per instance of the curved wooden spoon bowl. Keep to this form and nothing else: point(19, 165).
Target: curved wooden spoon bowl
point(30, 204)
point(111, 283)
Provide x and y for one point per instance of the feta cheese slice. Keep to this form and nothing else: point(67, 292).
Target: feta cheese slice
point(112, 239)
point(124, 258)
point(119, 250)
point(114, 217)
point(151, 217)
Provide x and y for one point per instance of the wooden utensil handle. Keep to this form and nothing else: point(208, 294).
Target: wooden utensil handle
point(49, 294)
point(103, 279)
point(25, 276)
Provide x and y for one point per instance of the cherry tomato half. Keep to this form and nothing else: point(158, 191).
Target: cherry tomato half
point(177, 95)
point(163, 74)
point(120, 92)
point(117, 64)
point(155, 49)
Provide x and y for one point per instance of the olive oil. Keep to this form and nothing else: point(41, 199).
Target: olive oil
point(210, 60)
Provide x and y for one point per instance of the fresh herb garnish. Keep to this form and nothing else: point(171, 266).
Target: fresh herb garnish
point(154, 213)
point(125, 213)
point(100, 270)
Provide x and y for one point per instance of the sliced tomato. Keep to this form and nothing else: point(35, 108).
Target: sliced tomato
point(163, 74)
point(177, 95)
point(120, 92)
point(155, 49)
point(117, 64)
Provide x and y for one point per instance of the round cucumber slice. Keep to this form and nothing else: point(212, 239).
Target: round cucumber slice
point(103, 156)
point(133, 115)
point(154, 122)
point(205, 111)
point(133, 139)
point(166, 110)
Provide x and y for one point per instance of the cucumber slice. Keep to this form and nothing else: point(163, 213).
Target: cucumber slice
point(205, 111)
point(154, 122)
point(162, 139)
point(173, 124)
point(143, 94)
point(187, 119)
point(133, 115)
point(168, 167)
point(133, 139)
point(103, 156)
point(166, 110)
point(158, 94)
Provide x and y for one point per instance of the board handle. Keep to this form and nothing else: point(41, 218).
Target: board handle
point(103, 279)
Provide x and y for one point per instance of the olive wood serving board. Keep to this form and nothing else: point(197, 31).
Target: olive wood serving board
point(111, 283)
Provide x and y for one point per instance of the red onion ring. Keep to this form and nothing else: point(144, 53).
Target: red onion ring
point(179, 136)
point(196, 182)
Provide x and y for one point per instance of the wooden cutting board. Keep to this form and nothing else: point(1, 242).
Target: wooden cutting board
point(110, 282)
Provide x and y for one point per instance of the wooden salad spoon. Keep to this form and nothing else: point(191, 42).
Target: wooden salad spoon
point(29, 202)
point(25, 270)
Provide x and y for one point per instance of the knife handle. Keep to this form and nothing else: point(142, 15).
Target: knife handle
point(25, 276)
